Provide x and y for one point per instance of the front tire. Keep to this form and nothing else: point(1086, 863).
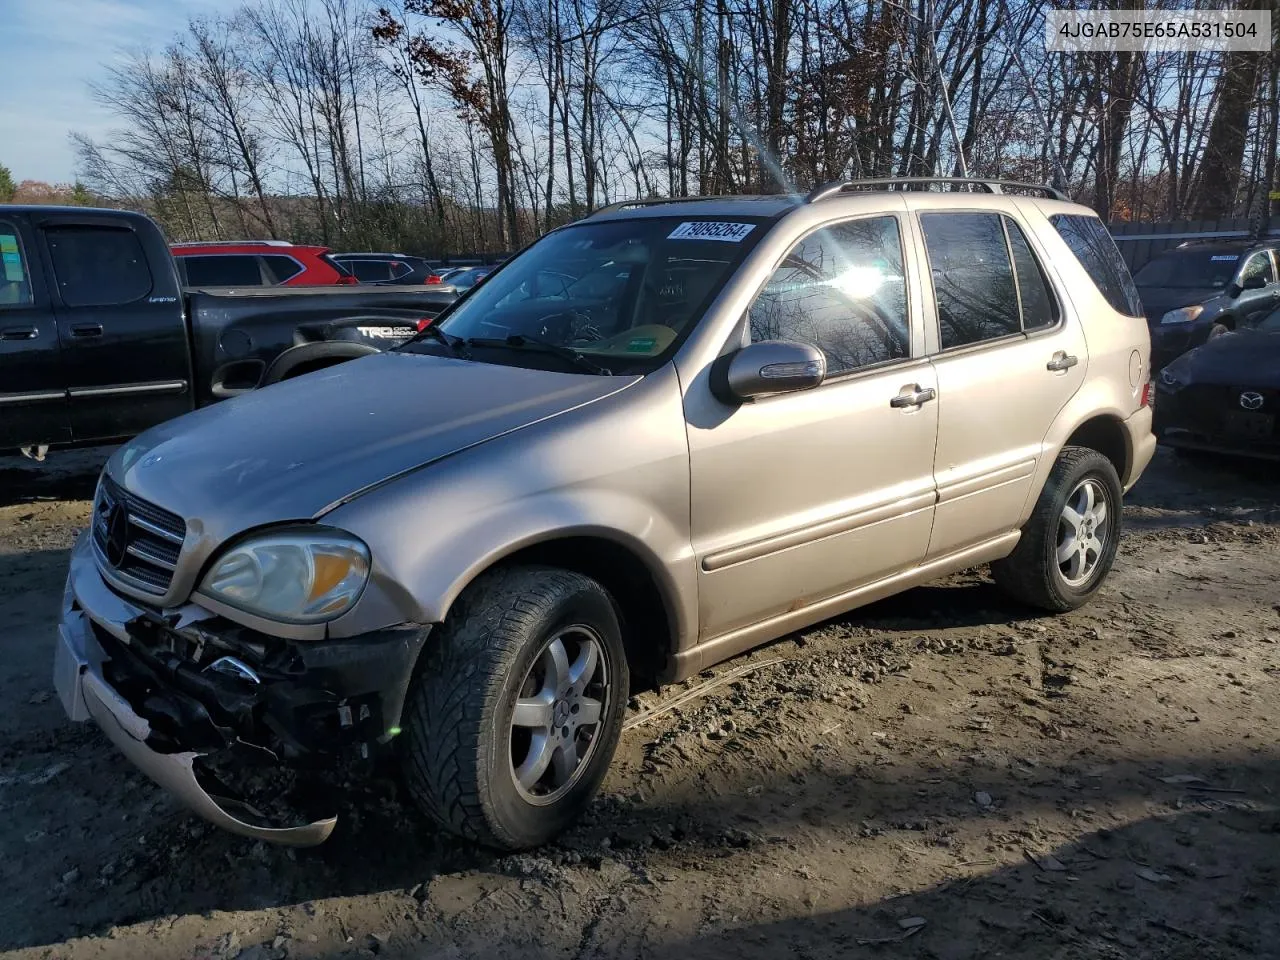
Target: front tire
point(1069, 544)
point(516, 708)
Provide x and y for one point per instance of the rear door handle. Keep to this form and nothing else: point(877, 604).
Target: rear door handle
point(1061, 361)
point(86, 329)
point(19, 333)
point(913, 396)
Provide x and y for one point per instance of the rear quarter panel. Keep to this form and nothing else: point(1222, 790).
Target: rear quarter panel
point(1119, 355)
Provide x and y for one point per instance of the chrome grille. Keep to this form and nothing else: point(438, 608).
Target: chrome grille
point(147, 540)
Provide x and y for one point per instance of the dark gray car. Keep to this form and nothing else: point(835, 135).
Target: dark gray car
point(1202, 290)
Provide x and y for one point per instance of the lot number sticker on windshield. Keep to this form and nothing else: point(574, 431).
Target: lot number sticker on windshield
point(1224, 258)
point(711, 230)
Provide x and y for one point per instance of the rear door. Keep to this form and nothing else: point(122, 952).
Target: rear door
point(1009, 358)
point(33, 396)
point(120, 324)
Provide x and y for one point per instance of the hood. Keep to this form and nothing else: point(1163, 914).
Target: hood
point(1244, 359)
point(291, 451)
point(1157, 301)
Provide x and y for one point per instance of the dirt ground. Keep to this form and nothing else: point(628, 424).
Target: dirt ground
point(941, 775)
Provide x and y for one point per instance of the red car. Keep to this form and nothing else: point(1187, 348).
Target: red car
point(258, 263)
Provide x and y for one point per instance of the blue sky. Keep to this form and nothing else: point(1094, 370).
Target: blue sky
point(50, 51)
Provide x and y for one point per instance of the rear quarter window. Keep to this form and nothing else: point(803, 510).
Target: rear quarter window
point(1097, 253)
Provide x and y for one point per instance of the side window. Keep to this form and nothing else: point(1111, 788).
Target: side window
point(15, 282)
point(399, 269)
point(98, 266)
point(1039, 309)
point(842, 289)
point(223, 270)
point(972, 277)
point(1097, 253)
point(281, 268)
point(1259, 265)
point(368, 271)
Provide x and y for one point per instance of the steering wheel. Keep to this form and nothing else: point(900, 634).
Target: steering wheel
point(576, 326)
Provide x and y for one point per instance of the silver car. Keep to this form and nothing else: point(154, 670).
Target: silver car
point(656, 438)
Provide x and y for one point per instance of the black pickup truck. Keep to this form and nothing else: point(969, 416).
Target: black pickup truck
point(98, 340)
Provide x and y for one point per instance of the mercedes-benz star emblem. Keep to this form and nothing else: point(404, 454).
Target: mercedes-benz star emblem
point(1251, 400)
point(117, 534)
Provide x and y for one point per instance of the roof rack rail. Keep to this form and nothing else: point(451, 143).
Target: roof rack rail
point(990, 186)
point(238, 243)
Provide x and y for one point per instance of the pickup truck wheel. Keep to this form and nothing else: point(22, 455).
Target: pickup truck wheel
point(516, 707)
point(1069, 544)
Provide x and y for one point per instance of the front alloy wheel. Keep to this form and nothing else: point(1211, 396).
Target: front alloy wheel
point(555, 721)
point(516, 707)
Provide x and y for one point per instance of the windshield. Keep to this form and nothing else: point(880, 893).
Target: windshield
point(622, 293)
point(1189, 269)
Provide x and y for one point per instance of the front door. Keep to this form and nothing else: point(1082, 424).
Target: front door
point(1009, 359)
point(121, 326)
point(33, 391)
point(799, 497)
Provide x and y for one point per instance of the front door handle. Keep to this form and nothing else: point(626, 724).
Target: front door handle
point(86, 329)
point(913, 396)
point(19, 333)
point(1061, 361)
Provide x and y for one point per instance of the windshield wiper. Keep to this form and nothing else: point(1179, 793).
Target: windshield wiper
point(522, 341)
point(457, 346)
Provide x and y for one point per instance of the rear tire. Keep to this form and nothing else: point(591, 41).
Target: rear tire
point(1069, 544)
point(503, 743)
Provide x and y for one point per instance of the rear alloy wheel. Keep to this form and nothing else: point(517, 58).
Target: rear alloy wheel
point(1069, 544)
point(516, 707)
point(1082, 532)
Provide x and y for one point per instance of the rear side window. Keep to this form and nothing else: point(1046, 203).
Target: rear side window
point(98, 266)
point(1097, 253)
point(972, 277)
point(223, 270)
point(399, 269)
point(1039, 309)
point(281, 268)
point(841, 289)
point(15, 283)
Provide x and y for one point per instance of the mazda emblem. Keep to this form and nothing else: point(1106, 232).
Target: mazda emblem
point(1251, 400)
point(117, 535)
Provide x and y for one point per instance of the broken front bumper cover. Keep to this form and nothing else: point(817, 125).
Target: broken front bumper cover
point(96, 618)
point(86, 695)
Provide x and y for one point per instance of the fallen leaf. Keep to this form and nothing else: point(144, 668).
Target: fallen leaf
point(1182, 778)
point(911, 923)
point(1151, 876)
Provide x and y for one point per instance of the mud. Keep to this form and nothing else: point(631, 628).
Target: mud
point(941, 775)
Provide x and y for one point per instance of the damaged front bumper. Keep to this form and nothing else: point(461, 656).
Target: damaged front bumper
point(188, 696)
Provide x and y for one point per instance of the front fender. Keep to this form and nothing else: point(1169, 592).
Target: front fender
point(617, 470)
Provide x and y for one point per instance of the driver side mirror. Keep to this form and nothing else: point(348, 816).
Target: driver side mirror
point(1256, 282)
point(767, 367)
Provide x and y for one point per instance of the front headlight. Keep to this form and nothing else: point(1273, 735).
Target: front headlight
point(296, 576)
point(1182, 314)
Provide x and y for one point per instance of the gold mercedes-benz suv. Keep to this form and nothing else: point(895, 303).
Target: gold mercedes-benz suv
point(654, 439)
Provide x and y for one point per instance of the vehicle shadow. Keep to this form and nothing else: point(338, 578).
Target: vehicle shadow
point(63, 475)
point(997, 901)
